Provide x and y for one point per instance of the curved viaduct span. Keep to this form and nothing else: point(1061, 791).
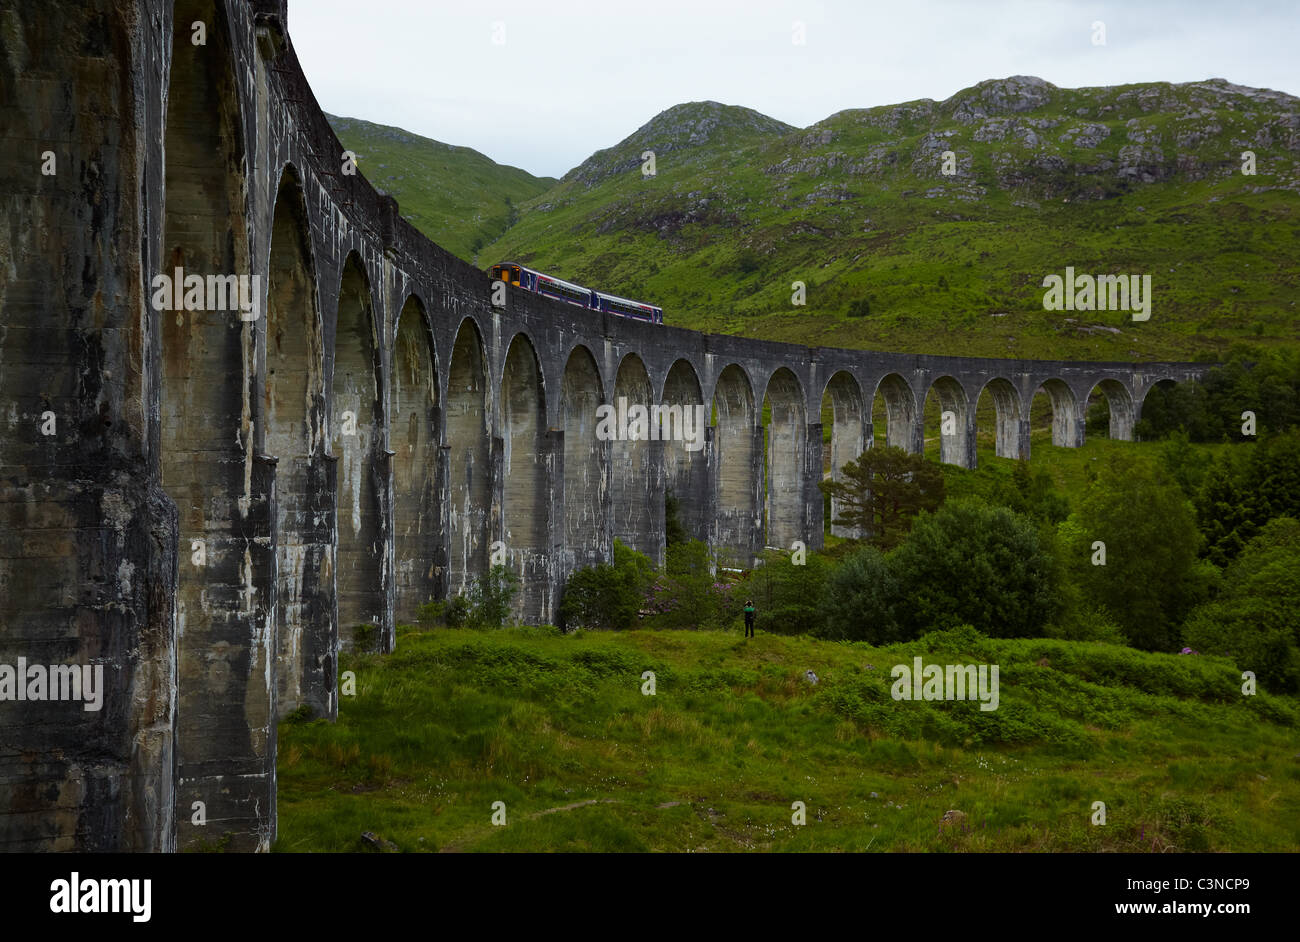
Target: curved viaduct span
point(207, 503)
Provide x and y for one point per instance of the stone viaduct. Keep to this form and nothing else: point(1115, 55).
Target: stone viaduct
point(209, 504)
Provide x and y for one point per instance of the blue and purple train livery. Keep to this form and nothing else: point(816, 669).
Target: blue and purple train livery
point(551, 287)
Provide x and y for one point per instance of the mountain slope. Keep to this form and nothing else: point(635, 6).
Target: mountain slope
point(456, 196)
point(1139, 179)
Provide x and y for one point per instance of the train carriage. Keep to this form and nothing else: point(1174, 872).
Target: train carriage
point(530, 280)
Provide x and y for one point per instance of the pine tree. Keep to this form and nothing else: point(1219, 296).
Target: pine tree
point(883, 490)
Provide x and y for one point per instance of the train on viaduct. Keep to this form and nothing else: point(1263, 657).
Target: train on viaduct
point(207, 503)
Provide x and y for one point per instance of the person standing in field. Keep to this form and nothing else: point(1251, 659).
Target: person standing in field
point(749, 619)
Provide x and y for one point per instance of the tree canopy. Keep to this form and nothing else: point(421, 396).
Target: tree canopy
point(883, 490)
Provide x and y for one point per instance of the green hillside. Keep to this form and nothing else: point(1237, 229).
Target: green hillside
point(454, 195)
point(558, 729)
point(1138, 179)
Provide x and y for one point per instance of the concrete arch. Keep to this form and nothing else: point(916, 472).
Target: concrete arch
point(636, 513)
point(786, 461)
point(901, 413)
point(1011, 421)
point(1067, 425)
point(586, 488)
point(956, 438)
point(467, 457)
point(686, 457)
point(357, 438)
point(1120, 405)
point(416, 435)
point(226, 697)
point(526, 459)
point(738, 439)
point(293, 418)
point(849, 435)
point(1158, 405)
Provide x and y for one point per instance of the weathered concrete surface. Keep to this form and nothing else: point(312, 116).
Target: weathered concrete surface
point(527, 472)
point(87, 536)
point(471, 429)
point(418, 550)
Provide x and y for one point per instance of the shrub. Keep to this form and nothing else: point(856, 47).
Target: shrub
point(490, 598)
point(859, 307)
point(747, 262)
point(968, 563)
point(1184, 463)
point(1254, 621)
point(1088, 624)
point(1209, 410)
point(453, 612)
point(303, 714)
point(971, 563)
point(787, 597)
point(685, 594)
point(1034, 494)
point(608, 595)
point(456, 613)
point(858, 601)
point(365, 638)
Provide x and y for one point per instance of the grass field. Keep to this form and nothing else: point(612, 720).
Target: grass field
point(557, 728)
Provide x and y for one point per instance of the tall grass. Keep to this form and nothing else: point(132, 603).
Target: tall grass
point(557, 728)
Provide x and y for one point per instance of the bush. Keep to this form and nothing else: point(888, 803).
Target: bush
point(453, 612)
point(1034, 494)
point(608, 595)
point(490, 598)
point(1254, 620)
point(859, 307)
point(685, 595)
point(365, 638)
point(1016, 487)
point(747, 262)
point(787, 597)
point(1184, 463)
point(858, 602)
point(970, 563)
point(1089, 624)
point(456, 613)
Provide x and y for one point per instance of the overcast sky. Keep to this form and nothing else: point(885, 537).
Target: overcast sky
point(541, 84)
